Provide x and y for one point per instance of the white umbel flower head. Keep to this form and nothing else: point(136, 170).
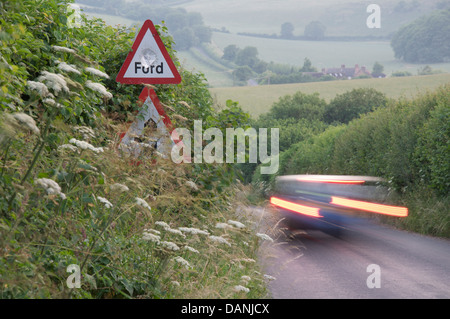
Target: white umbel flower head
point(27, 122)
point(41, 88)
point(50, 186)
point(240, 288)
point(105, 202)
point(119, 187)
point(264, 237)
point(98, 87)
point(68, 68)
point(220, 240)
point(63, 49)
point(142, 203)
point(96, 72)
point(54, 81)
point(183, 262)
point(85, 145)
point(236, 224)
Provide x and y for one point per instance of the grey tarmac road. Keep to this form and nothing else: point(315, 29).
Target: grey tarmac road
point(315, 265)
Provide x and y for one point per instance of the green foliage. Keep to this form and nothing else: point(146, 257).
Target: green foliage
point(297, 106)
point(347, 106)
point(315, 30)
point(71, 196)
point(425, 40)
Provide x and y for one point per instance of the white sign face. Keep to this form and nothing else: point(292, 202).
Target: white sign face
point(148, 61)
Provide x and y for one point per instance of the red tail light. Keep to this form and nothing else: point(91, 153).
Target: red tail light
point(370, 207)
point(301, 209)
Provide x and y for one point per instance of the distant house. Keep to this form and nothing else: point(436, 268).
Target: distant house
point(347, 73)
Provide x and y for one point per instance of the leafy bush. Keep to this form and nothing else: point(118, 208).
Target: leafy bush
point(347, 106)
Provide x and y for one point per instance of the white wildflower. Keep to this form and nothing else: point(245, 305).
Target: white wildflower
point(264, 237)
point(63, 49)
point(162, 224)
point(68, 147)
point(41, 88)
point(151, 237)
point(183, 262)
point(142, 203)
point(240, 288)
point(54, 81)
point(27, 122)
point(85, 145)
point(175, 283)
point(52, 102)
point(248, 260)
point(236, 224)
point(194, 231)
point(223, 225)
point(106, 202)
point(50, 186)
point(69, 68)
point(192, 185)
point(96, 72)
point(86, 131)
point(269, 277)
point(119, 187)
point(220, 240)
point(246, 278)
point(153, 231)
point(176, 231)
point(169, 245)
point(98, 87)
point(191, 249)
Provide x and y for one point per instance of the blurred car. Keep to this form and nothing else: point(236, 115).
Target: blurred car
point(331, 203)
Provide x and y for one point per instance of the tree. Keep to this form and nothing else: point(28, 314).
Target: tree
point(287, 30)
point(315, 30)
point(349, 105)
point(307, 66)
point(425, 40)
point(247, 56)
point(377, 69)
point(230, 52)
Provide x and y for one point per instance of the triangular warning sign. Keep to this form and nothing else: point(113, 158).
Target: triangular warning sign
point(148, 62)
point(152, 128)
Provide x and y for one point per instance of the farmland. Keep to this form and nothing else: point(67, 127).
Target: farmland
point(258, 99)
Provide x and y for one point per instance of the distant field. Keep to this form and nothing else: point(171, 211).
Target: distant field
point(258, 99)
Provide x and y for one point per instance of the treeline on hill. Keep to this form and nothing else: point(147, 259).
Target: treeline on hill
point(425, 40)
point(361, 132)
point(247, 65)
point(77, 211)
point(187, 28)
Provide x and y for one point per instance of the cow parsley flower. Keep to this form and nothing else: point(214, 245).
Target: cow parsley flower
point(192, 185)
point(269, 277)
point(223, 225)
point(142, 203)
point(220, 240)
point(27, 122)
point(50, 186)
point(264, 237)
point(54, 81)
point(106, 202)
point(236, 224)
point(96, 72)
point(69, 68)
point(169, 245)
point(69, 147)
point(189, 248)
point(162, 224)
point(151, 237)
point(85, 145)
point(86, 131)
point(119, 187)
point(41, 88)
point(98, 87)
point(183, 262)
point(63, 49)
point(240, 288)
point(52, 102)
point(194, 231)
